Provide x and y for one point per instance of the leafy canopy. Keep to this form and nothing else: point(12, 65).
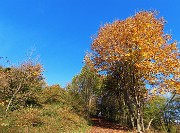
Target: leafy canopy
point(140, 43)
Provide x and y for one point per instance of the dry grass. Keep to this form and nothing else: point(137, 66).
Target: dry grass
point(50, 119)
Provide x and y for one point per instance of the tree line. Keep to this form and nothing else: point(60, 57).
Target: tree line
point(132, 64)
point(131, 75)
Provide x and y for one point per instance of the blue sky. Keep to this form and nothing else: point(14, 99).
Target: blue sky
point(60, 31)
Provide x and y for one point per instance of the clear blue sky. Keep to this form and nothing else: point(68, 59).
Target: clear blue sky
point(60, 30)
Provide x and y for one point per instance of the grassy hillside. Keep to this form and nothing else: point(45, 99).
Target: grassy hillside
point(57, 111)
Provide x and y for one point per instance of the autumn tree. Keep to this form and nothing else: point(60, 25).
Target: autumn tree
point(20, 82)
point(87, 84)
point(138, 52)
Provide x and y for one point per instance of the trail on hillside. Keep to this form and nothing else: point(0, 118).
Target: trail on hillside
point(105, 127)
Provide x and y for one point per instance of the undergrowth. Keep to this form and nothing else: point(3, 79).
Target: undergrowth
point(58, 113)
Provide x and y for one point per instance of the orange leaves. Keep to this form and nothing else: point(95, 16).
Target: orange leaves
point(138, 31)
point(140, 41)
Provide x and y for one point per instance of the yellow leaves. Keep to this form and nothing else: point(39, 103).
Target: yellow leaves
point(171, 82)
point(145, 54)
point(177, 87)
point(173, 46)
point(138, 40)
point(4, 124)
point(35, 73)
point(2, 103)
point(162, 92)
point(127, 55)
point(154, 91)
point(137, 65)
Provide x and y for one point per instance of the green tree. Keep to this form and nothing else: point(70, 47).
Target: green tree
point(114, 105)
point(52, 94)
point(153, 112)
point(87, 84)
point(171, 114)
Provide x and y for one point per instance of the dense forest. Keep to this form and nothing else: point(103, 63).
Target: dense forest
point(131, 76)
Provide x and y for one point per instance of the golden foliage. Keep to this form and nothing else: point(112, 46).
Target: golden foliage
point(139, 41)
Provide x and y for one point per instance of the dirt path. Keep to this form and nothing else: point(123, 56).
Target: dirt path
point(106, 127)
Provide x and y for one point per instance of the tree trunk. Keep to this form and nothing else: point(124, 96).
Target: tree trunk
point(132, 121)
point(139, 126)
point(90, 102)
point(10, 101)
point(149, 124)
point(142, 123)
point(130, 108)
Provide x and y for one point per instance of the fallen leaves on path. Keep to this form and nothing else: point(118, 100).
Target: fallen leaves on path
point(106, 127)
